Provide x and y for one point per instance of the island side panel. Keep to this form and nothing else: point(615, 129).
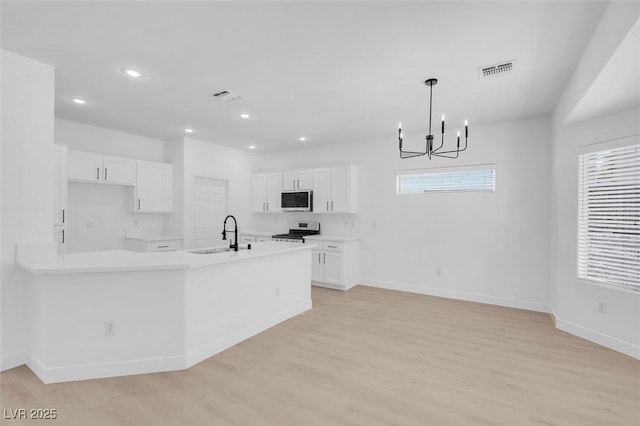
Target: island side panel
point(228, 303)
point(67, 324)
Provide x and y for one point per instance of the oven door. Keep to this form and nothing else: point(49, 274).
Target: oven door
point(297, 201)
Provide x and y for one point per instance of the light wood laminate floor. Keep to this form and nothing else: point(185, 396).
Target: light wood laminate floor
point(368, 357)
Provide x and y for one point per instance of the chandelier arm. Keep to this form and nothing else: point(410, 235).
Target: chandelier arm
point(441, 154)
point(410, 154)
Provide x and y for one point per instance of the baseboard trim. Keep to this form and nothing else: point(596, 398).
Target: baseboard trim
point(599, 338)
point(102, 370)
point(459, 295)
point(251, 330)
point(12, 360)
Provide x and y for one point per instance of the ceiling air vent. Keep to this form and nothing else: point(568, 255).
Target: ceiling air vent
point(226, 96)
point(495, 70)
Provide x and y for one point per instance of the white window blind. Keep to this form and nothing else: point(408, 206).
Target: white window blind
point(609, 217)
point(451, 181)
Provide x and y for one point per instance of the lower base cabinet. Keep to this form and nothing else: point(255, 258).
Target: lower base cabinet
point(334, 264)
point(153, 245)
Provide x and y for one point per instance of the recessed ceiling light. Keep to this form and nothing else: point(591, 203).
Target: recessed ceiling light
point(188, 130)
point(252, 147)
point(132, 73)
point(78, 101)
point(244, 115)
point(302, 139)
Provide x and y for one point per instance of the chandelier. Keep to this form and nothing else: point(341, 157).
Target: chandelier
point(429, 150)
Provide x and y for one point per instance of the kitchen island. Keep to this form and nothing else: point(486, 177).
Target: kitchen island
point(116, 312)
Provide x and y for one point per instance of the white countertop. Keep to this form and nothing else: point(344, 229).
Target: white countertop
point(123, 260)
point(342, 238)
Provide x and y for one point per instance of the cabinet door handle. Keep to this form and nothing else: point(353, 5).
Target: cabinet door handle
point(332, 206)
point(63, 236)
point(298, 183)
point(332, 246)
point(163, 246)
point(294, 184)
point(105, 173)
point(327, 206)
point(62, 215)
point(319, 254)
point(267, 206)
point(138, 203)
point(98, 173)
point(324, 257)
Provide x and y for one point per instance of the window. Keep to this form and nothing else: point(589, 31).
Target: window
point(480, 180)
point(609, 217)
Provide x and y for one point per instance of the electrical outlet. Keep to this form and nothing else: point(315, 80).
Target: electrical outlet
point(373, 224)
point(109, 328)
point(438, 272)
point(90, 224)
point(602, 307)
point(277, 291)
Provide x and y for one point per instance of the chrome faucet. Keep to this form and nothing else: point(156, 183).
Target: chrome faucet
point(235, 232)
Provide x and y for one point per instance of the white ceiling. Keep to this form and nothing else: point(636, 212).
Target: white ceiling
point(335, 71)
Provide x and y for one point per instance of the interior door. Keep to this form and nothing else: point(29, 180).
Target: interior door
point(210, 211)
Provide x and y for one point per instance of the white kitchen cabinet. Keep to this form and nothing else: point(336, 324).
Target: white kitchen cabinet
point(253, 238)
point(59, 184)
point(335, 190)
point(334, 264)
point(153, 187)
point(154, 244)
point(118, 170)
point(99, 168)
point(60, 153)
point(265, 192)
point(297, 180)
point(84, 166)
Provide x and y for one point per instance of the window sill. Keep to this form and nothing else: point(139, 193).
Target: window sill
point(629, 289)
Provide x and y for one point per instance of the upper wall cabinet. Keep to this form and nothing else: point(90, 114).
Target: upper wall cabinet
point(153, 187)
point(98, 168)
point(300, 179)
point(265, 192)
point(335, 190)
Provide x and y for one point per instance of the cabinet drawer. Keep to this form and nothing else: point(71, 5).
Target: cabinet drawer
point(164, 245)
point(332, 246)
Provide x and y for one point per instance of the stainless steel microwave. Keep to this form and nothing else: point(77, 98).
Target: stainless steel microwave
point(297, 201)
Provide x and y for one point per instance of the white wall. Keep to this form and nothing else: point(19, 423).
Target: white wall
point(106, 207)
point(27, 202)
point(575, 303)
point(206, 159)
point(489, 247)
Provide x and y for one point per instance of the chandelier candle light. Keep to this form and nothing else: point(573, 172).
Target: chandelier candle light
point(429, 150)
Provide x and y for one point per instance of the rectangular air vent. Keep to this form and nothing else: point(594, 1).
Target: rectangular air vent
point(495, 70)
point(226, 96)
